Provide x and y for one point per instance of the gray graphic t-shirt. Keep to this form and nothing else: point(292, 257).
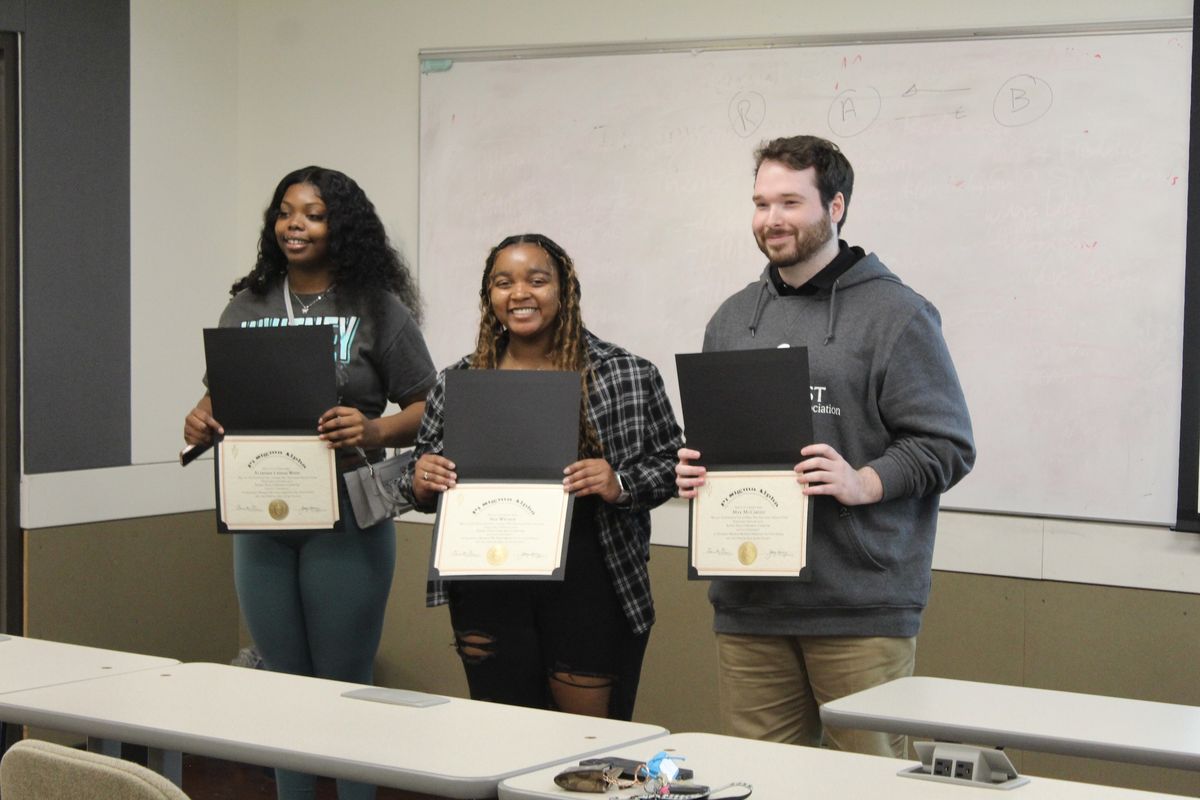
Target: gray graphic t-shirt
point(377, 360)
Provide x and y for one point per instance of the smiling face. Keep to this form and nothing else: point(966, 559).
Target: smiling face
point(524, 293)
point(791, 224)
point(301, 227)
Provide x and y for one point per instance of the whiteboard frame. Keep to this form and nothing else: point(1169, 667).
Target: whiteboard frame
point(821, 40)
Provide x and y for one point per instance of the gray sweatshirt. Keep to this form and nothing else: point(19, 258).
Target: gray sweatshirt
point(884, 393)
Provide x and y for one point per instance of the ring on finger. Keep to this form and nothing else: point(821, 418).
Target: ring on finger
point(427, 475)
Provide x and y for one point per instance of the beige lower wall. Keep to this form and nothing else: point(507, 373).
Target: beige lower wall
point(156, 585)
point(164, 586)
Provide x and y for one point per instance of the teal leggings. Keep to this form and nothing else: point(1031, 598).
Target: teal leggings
point(314, 604)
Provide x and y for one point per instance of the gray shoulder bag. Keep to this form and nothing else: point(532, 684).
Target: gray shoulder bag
point(371, 491)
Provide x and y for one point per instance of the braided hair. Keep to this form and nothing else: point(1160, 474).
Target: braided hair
point(568, 349)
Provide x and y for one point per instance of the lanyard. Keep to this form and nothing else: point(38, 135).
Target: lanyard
point(287, 301)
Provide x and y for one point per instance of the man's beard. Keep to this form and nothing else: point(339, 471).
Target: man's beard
point(806, 243)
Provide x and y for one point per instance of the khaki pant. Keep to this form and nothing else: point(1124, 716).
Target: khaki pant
point(772, 686)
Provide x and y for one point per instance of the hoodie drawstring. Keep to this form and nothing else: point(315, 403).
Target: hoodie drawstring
point(832, 314)
point(764, 297)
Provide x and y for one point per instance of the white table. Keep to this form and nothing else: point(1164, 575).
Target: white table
point(33, 663)
point(30, 663)
point(1093, 726)
point(785, 771)
point(461, 748)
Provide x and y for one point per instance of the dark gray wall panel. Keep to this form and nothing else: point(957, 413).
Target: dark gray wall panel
point(11, 554)
point(76, 234)
point(12, 15)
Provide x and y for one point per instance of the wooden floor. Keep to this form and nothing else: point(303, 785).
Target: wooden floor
point(213, 779)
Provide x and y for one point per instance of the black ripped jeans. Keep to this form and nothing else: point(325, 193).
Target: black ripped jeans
point(520, 633)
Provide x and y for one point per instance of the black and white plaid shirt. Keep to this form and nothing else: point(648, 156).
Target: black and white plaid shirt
point(629, 409)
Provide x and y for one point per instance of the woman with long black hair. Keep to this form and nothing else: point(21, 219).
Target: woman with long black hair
point(314, 603)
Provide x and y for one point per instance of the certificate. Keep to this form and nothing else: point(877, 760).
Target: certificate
point(501, 530)
point(267, 483)
point(749, 524)
point(750, 519)
point(510, 433)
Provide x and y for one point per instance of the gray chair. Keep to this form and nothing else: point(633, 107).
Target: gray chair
point(37, 770)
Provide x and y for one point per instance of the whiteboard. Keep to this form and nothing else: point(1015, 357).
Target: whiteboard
point(1034, 189)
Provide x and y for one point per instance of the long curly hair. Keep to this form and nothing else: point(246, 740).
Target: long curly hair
point(568, 349)
point(364, 260)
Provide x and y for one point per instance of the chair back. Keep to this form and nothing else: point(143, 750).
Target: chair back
point(37, 770)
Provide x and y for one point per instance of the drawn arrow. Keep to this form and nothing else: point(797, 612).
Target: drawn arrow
point(913, 91)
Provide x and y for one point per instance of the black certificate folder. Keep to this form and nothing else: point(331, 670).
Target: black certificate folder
point(511, 424)
point(269, 386)
point(748, 413)
point(510, 434)
point(271, 379)
point(746, 408)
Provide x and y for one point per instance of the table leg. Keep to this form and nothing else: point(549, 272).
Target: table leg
point(108, 747)
point(5, 731)
point(168, 763)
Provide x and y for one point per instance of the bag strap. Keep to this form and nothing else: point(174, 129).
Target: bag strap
point(386, 492)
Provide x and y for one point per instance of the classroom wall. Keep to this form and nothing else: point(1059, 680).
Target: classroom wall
point(228, 96)
point(160, 585)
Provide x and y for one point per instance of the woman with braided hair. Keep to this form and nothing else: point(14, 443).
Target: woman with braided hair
point(575, 645)
point(314, 602)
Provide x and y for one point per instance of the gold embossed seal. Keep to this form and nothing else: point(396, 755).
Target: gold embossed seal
point(278, 509)
point(497, 554)
point(747, 553)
